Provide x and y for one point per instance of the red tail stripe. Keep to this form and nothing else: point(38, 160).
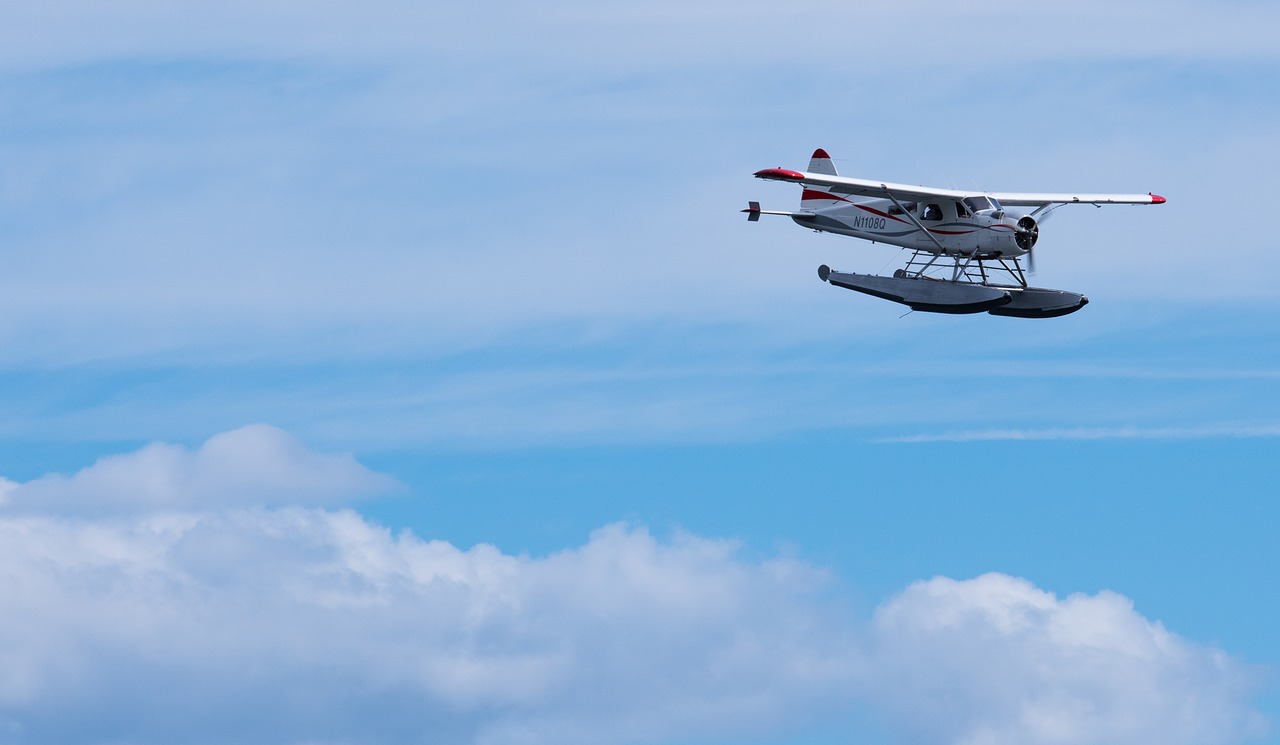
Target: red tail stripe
point(814, 194)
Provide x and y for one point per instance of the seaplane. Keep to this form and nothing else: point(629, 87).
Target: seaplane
point(967, 247)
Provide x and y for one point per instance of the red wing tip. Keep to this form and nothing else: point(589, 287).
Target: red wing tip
point(1157, 199)
point(780, 173)
point(820, 153)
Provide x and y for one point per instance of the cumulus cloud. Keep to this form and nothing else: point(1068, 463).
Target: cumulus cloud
point(997, 660)
point(227, 621)
point(302, 624)
point(253, 465)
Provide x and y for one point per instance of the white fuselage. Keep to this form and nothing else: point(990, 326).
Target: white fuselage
point(943, 226)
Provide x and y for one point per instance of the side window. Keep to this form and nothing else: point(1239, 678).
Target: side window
point(931, 212)
point(961, 211)
point(894, 210)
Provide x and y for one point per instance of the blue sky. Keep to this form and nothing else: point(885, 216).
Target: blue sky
point(417, 361)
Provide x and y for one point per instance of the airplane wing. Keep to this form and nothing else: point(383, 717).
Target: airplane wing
point(862, 187)
point(909, 193)
point(1015, 199)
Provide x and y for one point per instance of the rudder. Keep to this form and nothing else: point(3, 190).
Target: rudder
point(814, 196)
point(821, 163)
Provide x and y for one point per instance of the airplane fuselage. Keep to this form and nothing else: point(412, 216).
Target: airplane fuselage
point(941, 226)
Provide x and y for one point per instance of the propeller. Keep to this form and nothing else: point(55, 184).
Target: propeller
point(1028, 232)
point(1025, 235)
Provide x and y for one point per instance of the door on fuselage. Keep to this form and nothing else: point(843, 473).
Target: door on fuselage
point(966, 227)
point(931, 216)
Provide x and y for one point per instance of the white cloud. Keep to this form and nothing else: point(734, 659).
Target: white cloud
point(301, 624)
point(254, 465)
point(329, 618)
point(996, 660)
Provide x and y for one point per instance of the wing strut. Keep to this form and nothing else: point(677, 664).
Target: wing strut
point(960, 269)
point(908, 213)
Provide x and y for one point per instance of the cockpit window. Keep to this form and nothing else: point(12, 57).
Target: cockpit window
point(978, 204)
point(931, 212)
point(961, 211)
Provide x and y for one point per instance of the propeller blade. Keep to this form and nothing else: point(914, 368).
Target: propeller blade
point(1028, 233)
point(1045, 215)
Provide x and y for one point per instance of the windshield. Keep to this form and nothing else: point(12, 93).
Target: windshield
point(978, 204)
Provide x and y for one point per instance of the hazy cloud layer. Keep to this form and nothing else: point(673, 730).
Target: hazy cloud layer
point(215, 212)
point(241, 176)
point(64, 31)
point(302, 624)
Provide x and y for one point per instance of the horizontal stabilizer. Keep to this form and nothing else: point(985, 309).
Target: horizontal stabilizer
point(754, 212)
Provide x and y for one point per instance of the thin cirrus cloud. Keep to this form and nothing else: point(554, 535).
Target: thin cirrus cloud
point(1095, 433)
point(313, 624)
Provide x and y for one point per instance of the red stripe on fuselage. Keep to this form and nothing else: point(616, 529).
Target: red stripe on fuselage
point(810, 194)
point(878, 213)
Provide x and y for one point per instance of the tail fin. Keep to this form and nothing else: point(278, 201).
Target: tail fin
point(814, 196)
point(821, 163)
